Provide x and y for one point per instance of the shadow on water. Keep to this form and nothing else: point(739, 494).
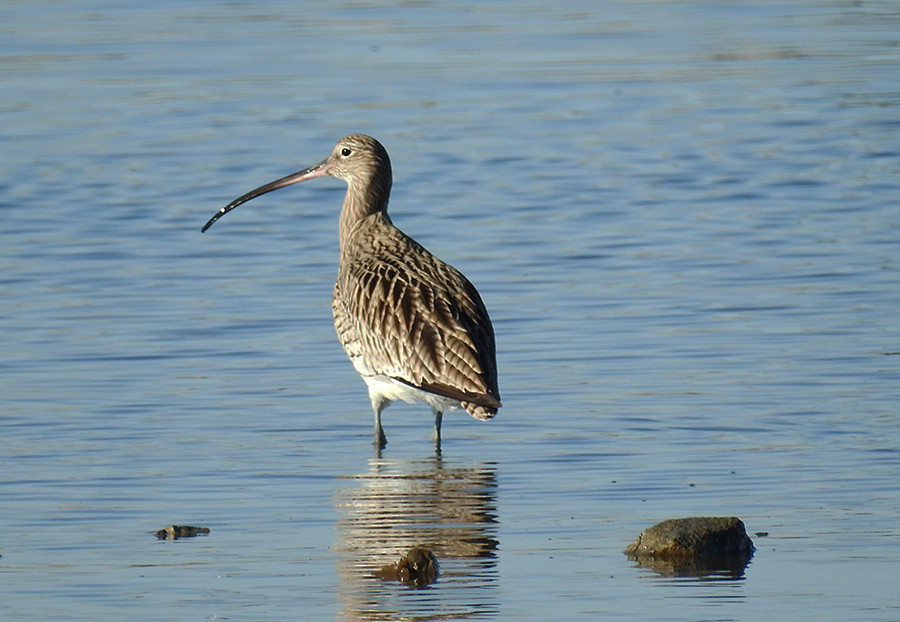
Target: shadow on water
point(400, 504)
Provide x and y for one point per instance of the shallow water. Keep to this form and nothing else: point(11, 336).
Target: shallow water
point(682, 217)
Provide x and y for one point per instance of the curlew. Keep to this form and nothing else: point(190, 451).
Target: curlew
point(413, 326)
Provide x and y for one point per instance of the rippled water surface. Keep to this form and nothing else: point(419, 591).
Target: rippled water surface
point(683, 217)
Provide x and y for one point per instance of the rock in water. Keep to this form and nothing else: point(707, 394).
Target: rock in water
point(418, 568)
point(681, 538)
point(173, 532)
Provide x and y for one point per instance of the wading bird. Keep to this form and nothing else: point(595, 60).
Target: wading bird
point(413, 326)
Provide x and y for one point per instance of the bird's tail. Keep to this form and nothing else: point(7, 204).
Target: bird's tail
point(479, 411)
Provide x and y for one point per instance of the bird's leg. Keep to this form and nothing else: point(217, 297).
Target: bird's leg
point(378, 405)
point(436, 435)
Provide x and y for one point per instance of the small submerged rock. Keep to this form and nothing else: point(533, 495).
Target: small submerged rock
point(694, 546)
point(418, 568)
point(174, 532)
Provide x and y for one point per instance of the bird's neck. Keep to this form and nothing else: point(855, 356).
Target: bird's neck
point(364, 201)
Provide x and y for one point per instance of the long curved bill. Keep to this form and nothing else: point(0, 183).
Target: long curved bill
point(317, 170)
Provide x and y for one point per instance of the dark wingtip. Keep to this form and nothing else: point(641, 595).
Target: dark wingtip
point(484, 401)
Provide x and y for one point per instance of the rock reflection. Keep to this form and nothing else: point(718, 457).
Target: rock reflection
point(709, 568)
point(398, 505)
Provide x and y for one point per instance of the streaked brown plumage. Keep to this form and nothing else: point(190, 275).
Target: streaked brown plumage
point(414, 327)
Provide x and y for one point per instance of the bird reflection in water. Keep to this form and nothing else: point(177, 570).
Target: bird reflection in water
point(401, 505)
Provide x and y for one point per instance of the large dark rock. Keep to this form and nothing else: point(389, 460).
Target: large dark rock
point(694, 546)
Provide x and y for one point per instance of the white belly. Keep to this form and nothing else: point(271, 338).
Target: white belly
point(386, 388)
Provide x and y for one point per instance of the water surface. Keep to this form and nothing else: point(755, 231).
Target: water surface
point(682, 217)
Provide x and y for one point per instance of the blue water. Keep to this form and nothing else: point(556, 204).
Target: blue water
point(682, 216)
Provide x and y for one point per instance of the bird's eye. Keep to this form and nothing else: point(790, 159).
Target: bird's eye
point(345, 152)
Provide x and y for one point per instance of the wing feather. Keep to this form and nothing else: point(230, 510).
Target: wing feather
point(403, 313)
